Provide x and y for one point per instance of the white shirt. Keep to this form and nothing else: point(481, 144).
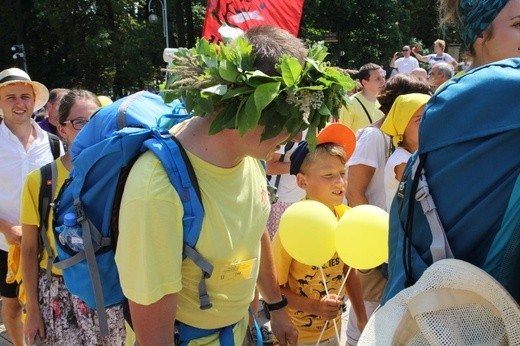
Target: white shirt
point(406, 65)
point(398, 157)
point(288, 190)
point(372, 146)
point(16, 163)
point(435, 59)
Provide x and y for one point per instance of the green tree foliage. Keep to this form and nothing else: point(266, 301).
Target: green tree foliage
point(110, 47)
point(368, 31)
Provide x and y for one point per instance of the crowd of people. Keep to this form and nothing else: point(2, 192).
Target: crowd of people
point(357, 159)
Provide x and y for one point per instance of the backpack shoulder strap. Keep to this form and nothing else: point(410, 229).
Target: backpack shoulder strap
point(49, 176)
point(54, 142)
point(182, 176)
point(420, 192)
point(364, 108)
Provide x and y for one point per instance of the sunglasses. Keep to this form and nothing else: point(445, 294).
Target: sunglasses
point(77, 124)
point(406, 50)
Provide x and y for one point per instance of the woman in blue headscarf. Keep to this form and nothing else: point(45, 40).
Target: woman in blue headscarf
point(469, 137)
point(490, 29)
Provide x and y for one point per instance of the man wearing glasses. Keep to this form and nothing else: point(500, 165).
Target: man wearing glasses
point(405, 64)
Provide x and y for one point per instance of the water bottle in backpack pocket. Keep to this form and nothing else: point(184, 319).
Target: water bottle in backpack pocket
point(70, 234)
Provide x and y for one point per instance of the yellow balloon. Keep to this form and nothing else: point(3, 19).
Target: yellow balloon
point(362, 237)
point(307, 232)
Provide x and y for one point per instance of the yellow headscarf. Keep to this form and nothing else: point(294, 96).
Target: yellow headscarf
point(400, 114)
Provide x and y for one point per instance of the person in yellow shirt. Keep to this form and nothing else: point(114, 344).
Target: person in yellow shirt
point(224, 144)
point(321, 174)
point(54, 315)
point(364, 107)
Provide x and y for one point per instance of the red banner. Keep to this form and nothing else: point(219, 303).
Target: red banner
point(245, 14)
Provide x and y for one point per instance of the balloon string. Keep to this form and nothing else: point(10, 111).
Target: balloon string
point(322, 331)
point(344, 280)
point(334, 320)
point(324, 281)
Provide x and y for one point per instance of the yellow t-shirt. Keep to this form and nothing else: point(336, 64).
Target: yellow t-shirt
point(30, 203)
point(355, 116)
point(149, 250)
point(307, 281)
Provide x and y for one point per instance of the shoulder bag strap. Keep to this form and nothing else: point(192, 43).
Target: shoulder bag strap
point(54, 143)
point(364, 108)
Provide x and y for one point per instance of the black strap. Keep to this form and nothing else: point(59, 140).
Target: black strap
point(407, 243)
point(54, 142)
point(47, 190)
point(366, 112)
point(288, 146)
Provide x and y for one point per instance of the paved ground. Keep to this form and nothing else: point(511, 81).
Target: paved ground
point(4, 339)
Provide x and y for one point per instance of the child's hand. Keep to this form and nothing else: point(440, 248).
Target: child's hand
point(329, 306)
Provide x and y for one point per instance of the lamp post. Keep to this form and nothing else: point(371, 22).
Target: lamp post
point(19, 50)
point(153, 18)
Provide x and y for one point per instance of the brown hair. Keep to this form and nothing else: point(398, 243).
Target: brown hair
point(70, 99)
point(270, 44)
point(401, 84)
point(54, 93)
point(449, 15)
point(364, 71)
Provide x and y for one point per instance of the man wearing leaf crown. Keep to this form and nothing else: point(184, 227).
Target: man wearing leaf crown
point(247, 100)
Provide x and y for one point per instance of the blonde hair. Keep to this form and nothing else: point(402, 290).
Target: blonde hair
point(331, 149)
point(440, 43)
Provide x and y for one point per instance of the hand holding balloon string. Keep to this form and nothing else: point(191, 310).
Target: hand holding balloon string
point(360, 237)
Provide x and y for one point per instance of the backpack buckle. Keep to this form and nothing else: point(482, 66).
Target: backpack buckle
point(80, 211)
point(423, 190)
point(161, 132)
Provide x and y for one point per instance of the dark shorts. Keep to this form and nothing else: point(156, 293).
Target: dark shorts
point(6, 290)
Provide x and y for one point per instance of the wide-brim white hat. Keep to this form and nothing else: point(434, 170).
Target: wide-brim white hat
point(15, 75)
point(453, 303)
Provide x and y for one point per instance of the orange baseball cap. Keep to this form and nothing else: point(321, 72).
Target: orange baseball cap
point(336, 133)
point(340, 134)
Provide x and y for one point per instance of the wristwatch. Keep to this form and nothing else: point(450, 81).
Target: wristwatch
point(277, 306)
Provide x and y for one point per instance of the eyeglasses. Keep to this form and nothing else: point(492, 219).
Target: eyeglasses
point(77, 124)
point(406, 50)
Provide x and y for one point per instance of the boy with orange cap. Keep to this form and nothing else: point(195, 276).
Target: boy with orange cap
point(321, 173)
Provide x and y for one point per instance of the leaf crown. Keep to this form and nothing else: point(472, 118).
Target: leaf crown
point(222, 79)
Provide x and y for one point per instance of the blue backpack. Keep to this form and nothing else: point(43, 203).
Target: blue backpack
point(460, 193)
point(102, 155)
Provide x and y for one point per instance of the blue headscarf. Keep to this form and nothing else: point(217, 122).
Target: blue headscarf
point(476, 16)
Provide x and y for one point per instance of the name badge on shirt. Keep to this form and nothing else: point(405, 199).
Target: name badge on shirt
point(237, 271)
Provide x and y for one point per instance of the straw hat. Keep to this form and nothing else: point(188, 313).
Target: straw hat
point(453, 303)
point(15, 75)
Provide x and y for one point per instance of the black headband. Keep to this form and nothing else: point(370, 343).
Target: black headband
point(16, 78)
